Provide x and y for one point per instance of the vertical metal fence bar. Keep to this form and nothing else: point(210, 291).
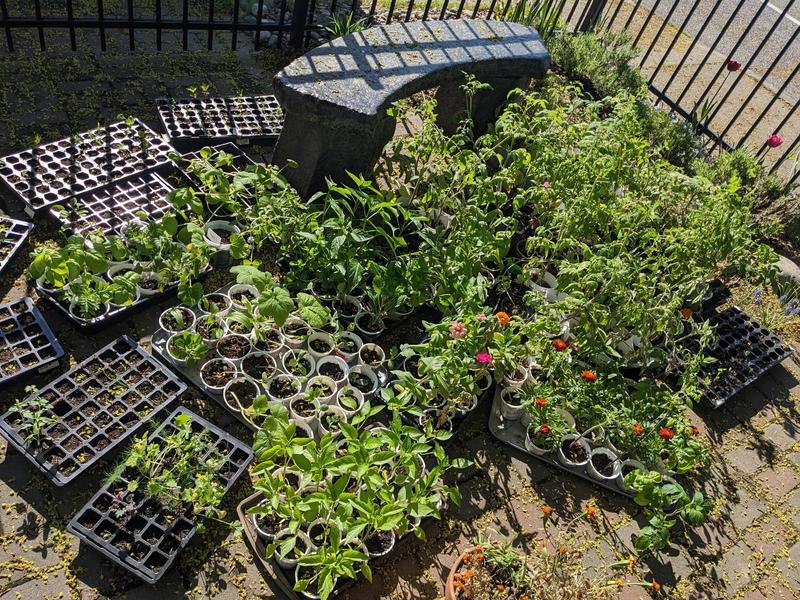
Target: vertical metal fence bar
point(427, 10)
point(769, 106)
point(71, 22)
point(594, 10)
point(633, 14)
point(572, 10)
point(760, 83)
point(476, 8)
point(37, 6)
point(101, 24)
point(646, 23)
point(692, 45)
point(657, 36)
point(371, 8)
point(460, 8)
point(444, 10)
point(409, 9)
point(311, 11)
point(732, 53)
point(675, 38)
point(750, 61)
point(713, 47)
point(259, 20)
point(235, 32)
point(491, 9)
point(333, 7)
point(583, 14)
point(615, 15)
point(281, 23)
point(505, 9)
point(298, 23)
point(131, 40)
point(210, 43)
point(158, 25)
point(9, 38)
point(185, 25)
point(391, 12)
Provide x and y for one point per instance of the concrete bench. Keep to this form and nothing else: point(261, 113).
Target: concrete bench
point(335, 97)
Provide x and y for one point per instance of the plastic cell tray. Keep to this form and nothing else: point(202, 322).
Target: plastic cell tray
point(242, 119)
point(57, 171)
point(27, 343)
point(96, 406)
point(146, 540)
point(13, 234)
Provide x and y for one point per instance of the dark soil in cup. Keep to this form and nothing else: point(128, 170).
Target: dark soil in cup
point(297, 366)
point(331, 370)
point(172, 318)
point(217, 374)
point(320, 346)
point(270, 523)
point(603, 464)
point(514, 399)
point(573, 451)
point(360, 381)
point(258, 366)
point(238, 327)
point(242, 295)
point(297, 330)
point(283, 387)
point(213, 303)
point(345, 309)
point(379, 542)
point(318, 532)
point(371, 323)
point(244, 391)
point(371, 356)
point(348, 402)
point(223, 234)
point(150, 283)
point(346, 345)
point(304, 408)
point(626, 469)
point(210, 329)
point(233, 347)
point(331, 421)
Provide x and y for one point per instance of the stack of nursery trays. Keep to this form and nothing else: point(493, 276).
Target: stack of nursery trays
point(55, 172)
point(744, 350)
point(110, 208)
point(147, 539)
point(92, 409)
point(13, 234)
point(243, 120)
point(347, 369)
point(27, 343)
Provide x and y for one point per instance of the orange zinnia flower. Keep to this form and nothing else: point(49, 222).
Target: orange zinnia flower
point(695, 430)
point(589, 376)
point(618, 581)
point(501, 587)
point(503, 318)
point(591, 511)
point(665, 433)
point(638, 429)
point(559, 344)
point(544, 429)
point(656, 585)
point(540, 402)
point(563, 550)
point(547, 510)
point(687, 313)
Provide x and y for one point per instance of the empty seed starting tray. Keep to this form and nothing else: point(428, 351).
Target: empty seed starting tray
point(109, 208)
point(57, 171)
point(91, 409)
point(27, 344)
point(140, 533)
point(513, 433)
point(243, 119)
point(744, 350)
point(13, 234)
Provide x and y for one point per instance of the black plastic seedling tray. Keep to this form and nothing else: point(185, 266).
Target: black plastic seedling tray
point(109, 208)
point(57, 171)
point(13, 234)
point(744, 350)
point(96, 406)
point(242, 120)
point(147, 542)
point(27, 344)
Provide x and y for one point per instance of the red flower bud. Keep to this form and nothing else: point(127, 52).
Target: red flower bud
point(733, 66)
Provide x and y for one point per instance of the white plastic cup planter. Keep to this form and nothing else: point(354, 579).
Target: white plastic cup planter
point(115, 269)
point(358, 374)
point(150, 283)
point(264, 534)
point(295, 331)
point(234, 347)
point(372, 356)
point(257, 364)
point(187, 315)
point(322, 427)
point(320, 343)
point(172, 358)
point(509, 410)
point(238, 290)
point(135, 299)
point(387, 546)
point(335, 368)
point(303, 547)
point(299, 356)
point(369, 326)
point(484, 382)
point(212, 237)
point(350, 400)
point(347, 307)
point(223, 363)
point(219, 324)
point(227, 392)
point(517, 378)
point(348, 355)
point(304, 410)
point(626, 467)
point(567, 417)
point(282, 380)
point(598, 456)
point(321, 381)
point(303, 429)
point(569, 439)
point(73, 310)
point(531, 447)
point(462, 410)
point(303, 572)
point(215, 298)
point(546, 284)
point(42, 285)
point(433, 415)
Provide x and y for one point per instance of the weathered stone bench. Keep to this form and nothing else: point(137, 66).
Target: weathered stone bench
point(335, 97)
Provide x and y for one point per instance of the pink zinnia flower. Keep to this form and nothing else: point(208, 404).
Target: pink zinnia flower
point(458, 330)
point(546, 185)
point(480, 317)
point(484, 358)
point(774, 140)
point(733, 66)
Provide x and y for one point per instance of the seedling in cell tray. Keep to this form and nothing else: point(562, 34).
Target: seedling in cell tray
point(73, 422)
point(743, 351)
point(26, 341)
point(111, 208)
point(13, 234)
point(161, 493)
point(55, 172)
point(243, 119)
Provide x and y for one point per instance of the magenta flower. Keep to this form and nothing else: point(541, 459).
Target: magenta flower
point(483, 358)
point(458, 330)
point(774, 140)
point(480, 317)
point(733, 66)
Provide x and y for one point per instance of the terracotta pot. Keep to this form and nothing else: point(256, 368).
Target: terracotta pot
point(449, 591)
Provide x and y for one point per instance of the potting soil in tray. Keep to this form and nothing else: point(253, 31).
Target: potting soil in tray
point(512, 432)
point(26, 341)
point(744, 351)
point(241, 119)
point(13, 234)
point(146, 539)
point(115, 205)
point(57, 171)
point(95, 407)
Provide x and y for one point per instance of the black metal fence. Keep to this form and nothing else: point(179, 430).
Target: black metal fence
point(688, 48)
